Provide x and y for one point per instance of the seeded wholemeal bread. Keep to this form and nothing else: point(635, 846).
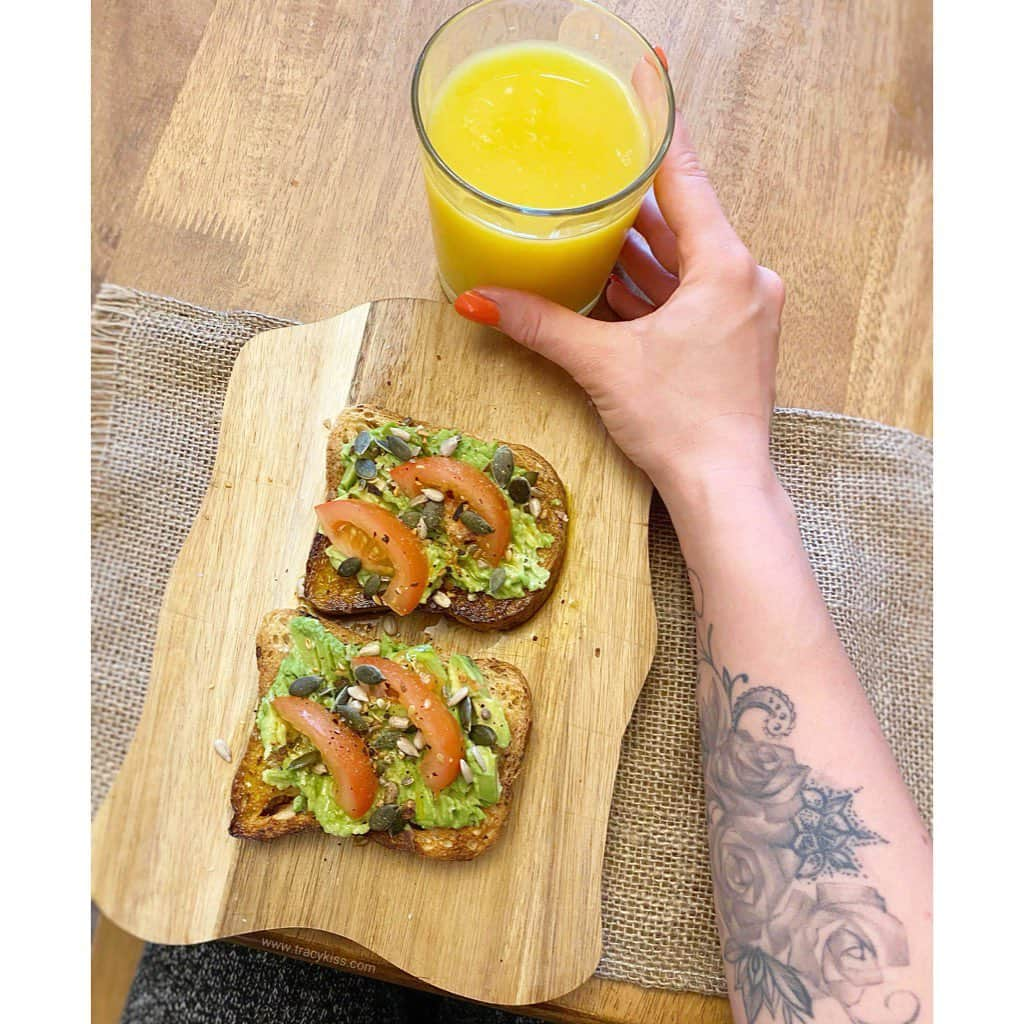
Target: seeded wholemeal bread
point(334, 595)
point(262, 811)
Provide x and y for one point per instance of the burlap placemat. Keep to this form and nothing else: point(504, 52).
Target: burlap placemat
point(862, 492)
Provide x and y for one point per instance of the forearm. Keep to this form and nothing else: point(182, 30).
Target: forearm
point(820, 859)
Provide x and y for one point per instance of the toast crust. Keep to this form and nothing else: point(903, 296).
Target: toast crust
point(333, 595)
point(256, 804)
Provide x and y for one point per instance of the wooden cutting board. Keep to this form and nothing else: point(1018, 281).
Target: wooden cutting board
point(522, 923)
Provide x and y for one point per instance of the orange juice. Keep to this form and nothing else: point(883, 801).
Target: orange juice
point(537, 126)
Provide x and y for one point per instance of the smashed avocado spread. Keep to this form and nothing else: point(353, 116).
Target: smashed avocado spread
point(313, 651)
point(522, 571)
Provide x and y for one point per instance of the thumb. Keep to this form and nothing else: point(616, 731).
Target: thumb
point(566, 338)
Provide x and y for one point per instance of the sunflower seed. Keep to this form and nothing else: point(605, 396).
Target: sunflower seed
point(433, 494)
point(502, 465)
point(320, 768)
point(356, 692)
point(442, 600)
point(534, 507)
point(286, 815)
point(350, 566)
point(448, 445)
point(476, 523)
point(462, 691)
point(405, 745)
point(305, 685)
point(361, 445)
point(407, 781)
point(389, 624)
point(306, 760)
point(366, 469)
point(368, 675)
point(421, 529)
point(372, 584)
point(420, 499)
point(370, 650)
point(474, 752)
point(467, 772)
point(472, 597)
point(398, 722)
point(223, 750)
point(519, 490)
point(389, 793)
point(380, 702)
point(496, 581)
point(417, 740)
point(399, 432)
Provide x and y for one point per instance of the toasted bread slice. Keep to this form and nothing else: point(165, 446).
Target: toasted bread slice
point(331, 594)
point(262, 811)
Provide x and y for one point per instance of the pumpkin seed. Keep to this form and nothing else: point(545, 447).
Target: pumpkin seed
point(519, 490)
point(306, 760)
point(399, 448)
point(483, 735)
point(371, 585)
point(350, 566)
point(361, 445)
point(502, 465)
point(305, 685)
point(467, 772)
point(340, 700)
point(433, 494)
point(352, 718)
point(431, 513)
point(465, 709)
point(385, 739)
point(448, 445)
point(496, 581)
point(411, 517)
point(386, 819)
point(366, 469)
point(368, 675)
point(531, 476)
point(476, 523)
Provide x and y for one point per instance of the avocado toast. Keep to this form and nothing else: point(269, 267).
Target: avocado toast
point(484, 523)
point(377, 738)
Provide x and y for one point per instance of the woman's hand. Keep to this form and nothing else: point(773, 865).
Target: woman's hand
point(685, 383)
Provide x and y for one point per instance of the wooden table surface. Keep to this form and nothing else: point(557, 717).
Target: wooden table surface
point(261, 154)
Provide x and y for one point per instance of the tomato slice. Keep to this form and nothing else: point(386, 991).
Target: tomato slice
point(429, 713)
point(468, 484)
point(343, 751)
point(386, 545)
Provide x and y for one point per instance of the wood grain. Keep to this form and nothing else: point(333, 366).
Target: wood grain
point(813, 117)
point(163, 824)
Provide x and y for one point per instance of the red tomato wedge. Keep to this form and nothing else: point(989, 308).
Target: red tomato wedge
point(385, 544)
point(468, 484)
point(428, 712)
point(344, 753)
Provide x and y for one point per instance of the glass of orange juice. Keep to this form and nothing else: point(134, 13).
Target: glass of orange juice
point(542, 123)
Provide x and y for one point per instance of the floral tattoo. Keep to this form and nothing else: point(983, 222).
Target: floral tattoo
point(774, 831)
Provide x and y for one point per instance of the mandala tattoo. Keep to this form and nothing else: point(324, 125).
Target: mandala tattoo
point(775, 830)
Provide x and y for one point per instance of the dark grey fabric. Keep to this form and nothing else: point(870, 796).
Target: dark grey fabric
point(222, 983)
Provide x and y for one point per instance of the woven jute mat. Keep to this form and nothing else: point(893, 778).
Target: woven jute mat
point(862, 492)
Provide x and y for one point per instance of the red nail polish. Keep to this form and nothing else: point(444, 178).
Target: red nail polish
point(661, 56)
point(478, 308)
point(618, 280)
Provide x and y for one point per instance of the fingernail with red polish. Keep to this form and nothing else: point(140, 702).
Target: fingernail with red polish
point(661, 56)
point(614, 278)
point(478, 308)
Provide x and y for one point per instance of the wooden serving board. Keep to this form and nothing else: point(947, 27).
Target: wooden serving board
point(522, 923)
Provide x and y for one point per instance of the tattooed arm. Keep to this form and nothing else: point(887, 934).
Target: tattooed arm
point(822, 866)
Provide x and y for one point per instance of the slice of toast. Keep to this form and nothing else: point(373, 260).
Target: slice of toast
point(331, 594)
point(262, 811)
